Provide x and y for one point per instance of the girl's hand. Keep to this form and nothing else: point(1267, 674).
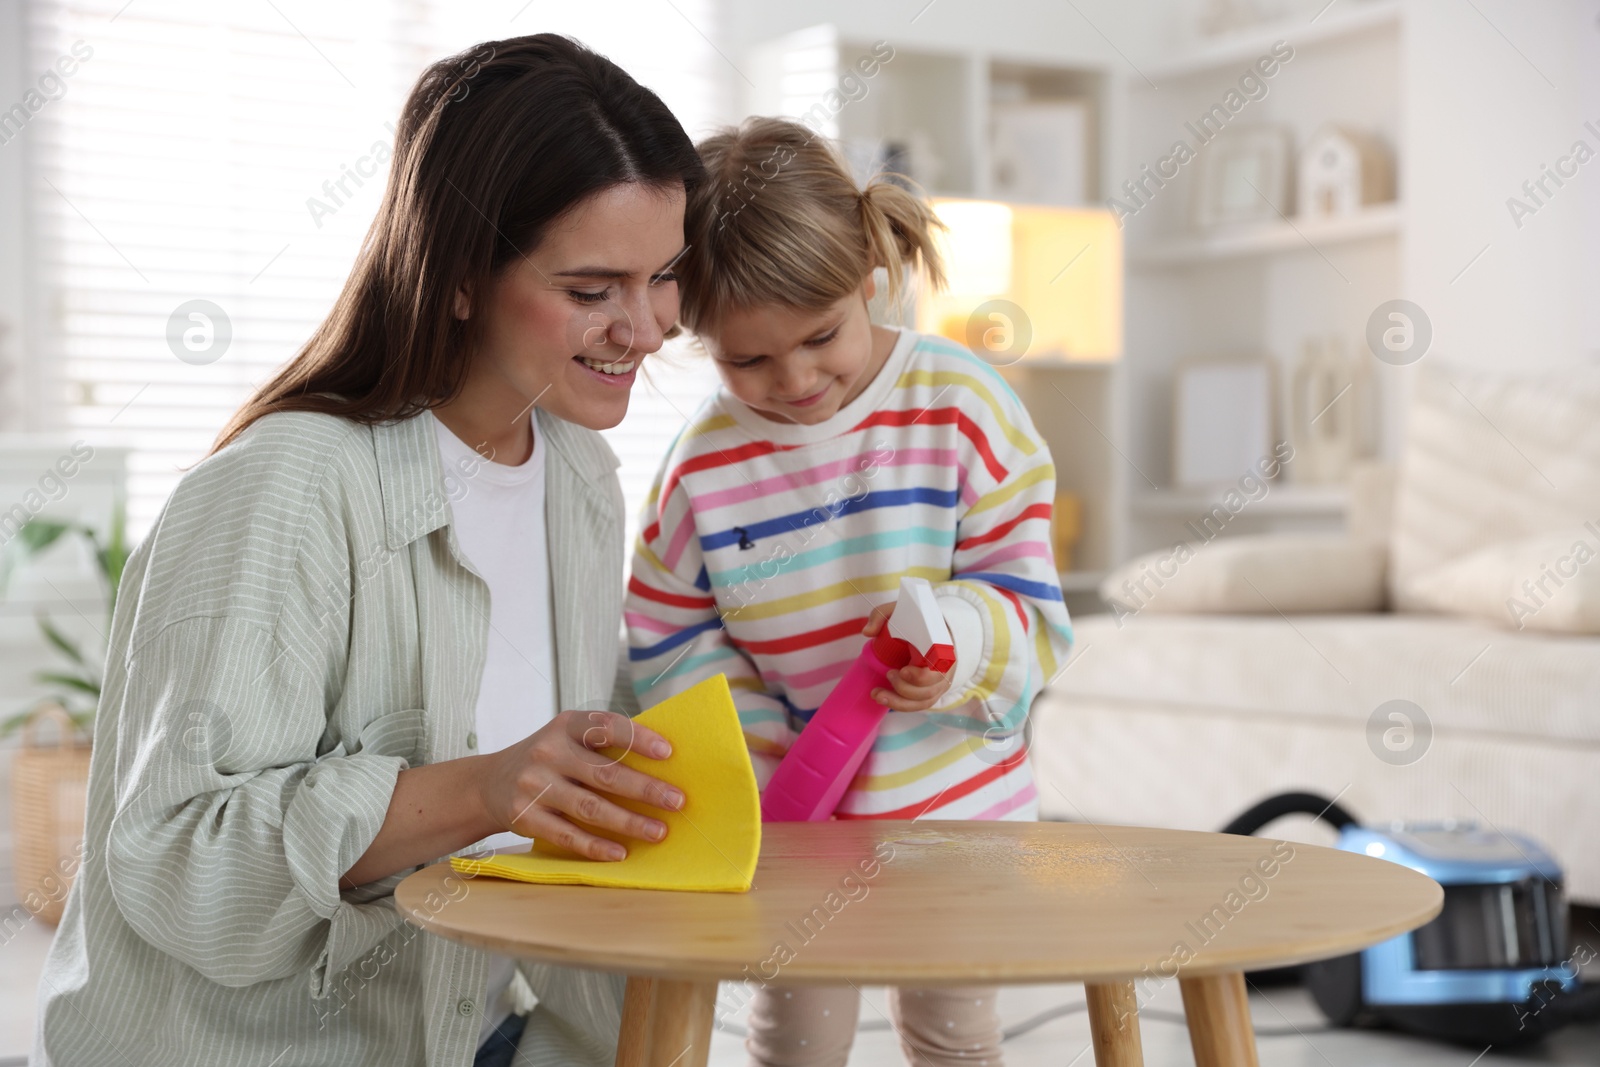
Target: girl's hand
point(915, 688)
point(546, 785)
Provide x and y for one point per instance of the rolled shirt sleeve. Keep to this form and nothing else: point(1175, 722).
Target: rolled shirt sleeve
point(1003, 600)
point(236, 818)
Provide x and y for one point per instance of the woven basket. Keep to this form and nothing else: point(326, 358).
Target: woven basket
point(49, 786)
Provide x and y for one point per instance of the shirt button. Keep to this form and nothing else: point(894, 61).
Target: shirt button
point(472, 740)
point(465, 1007)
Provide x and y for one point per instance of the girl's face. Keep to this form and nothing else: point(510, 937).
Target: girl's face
point(566, 326)
point(798, 366)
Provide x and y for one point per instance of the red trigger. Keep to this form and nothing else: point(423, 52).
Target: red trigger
point(940, 658)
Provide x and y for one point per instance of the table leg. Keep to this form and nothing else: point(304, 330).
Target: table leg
point(1114, 1024)
point(1219, 1020)
point(666, 1023)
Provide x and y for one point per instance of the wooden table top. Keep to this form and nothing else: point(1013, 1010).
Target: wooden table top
point(929, 903)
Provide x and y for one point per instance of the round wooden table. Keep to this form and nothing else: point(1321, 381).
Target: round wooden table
point(1121, 909)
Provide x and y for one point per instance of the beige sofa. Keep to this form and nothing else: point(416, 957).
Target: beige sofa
point(1240, 677)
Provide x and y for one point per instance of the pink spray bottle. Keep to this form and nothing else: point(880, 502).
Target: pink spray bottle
point(818, 767)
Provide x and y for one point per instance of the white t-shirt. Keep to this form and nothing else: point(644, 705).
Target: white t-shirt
point(498, 514)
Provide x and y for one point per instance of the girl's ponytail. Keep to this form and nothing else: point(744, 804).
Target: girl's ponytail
point(899, 227)
point(782, 222)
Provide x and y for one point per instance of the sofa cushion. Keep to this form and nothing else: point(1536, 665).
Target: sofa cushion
point(1463, 674)
point(1261, 575)
point(1548, 584)
point(1492, 458)
point(1370, 516)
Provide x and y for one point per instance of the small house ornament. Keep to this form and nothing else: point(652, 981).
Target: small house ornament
point(1341, 171)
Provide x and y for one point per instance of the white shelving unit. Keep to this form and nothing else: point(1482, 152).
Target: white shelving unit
point(1337, 21)
point(1078, 410)
point(935, 104)
point(1077, 583)
point(1285, 235)
point(1264, 289)
point(1287, 501)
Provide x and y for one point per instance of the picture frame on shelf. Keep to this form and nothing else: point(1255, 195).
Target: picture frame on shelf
point(1245, 177)
point(1223, 419)
point(1039, 151)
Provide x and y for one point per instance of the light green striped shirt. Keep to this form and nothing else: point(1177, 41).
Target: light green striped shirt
point(297, 628)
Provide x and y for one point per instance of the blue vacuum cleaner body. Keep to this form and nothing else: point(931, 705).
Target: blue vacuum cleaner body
point(1493, 967)
point(1487, 968)
point(1503, 932)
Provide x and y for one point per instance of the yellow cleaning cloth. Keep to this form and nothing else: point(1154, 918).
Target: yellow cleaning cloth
point(711, 845)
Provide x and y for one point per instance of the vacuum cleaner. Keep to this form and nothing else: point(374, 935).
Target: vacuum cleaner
point(1493, 968)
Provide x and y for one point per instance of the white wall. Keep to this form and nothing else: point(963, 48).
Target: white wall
point(15, 77)
point(1487, 107)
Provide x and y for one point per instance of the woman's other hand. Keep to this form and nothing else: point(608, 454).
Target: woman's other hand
point(550, 786)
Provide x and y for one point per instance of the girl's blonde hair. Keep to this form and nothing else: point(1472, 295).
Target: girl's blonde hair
point(780, 220)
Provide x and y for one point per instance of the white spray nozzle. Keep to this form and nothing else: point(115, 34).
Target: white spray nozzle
point(918, 621)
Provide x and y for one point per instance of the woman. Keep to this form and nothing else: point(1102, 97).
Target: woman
point(341, 651)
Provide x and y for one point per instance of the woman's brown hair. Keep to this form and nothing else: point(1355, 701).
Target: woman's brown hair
point(781, 221)
point(493, 145)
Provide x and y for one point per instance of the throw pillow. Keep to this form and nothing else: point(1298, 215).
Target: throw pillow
point(1549, 583)
point(1260, 574)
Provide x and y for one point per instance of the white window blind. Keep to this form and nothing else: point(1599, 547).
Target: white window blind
point(176, 163)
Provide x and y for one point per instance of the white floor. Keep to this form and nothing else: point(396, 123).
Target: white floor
point(21, 960)
point(1062, 1042)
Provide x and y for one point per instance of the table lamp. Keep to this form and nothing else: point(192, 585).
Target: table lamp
point(1028, 282)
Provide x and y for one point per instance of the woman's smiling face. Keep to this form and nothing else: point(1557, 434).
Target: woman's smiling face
point(566, 326)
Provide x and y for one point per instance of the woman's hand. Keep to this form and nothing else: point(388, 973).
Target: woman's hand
point(915, 688)
point(549, 786)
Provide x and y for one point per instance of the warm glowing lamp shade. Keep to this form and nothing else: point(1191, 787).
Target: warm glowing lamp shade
point(976, 246)
point(1061, 266)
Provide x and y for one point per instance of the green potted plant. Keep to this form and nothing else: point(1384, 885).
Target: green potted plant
point(48, 783)
point(77, 682)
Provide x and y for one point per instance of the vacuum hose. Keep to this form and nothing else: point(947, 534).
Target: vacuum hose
point(1277, 807)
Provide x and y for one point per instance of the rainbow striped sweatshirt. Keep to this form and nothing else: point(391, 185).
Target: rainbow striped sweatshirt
point(764, 546)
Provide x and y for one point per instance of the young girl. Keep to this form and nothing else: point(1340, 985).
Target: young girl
point(838, 457)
